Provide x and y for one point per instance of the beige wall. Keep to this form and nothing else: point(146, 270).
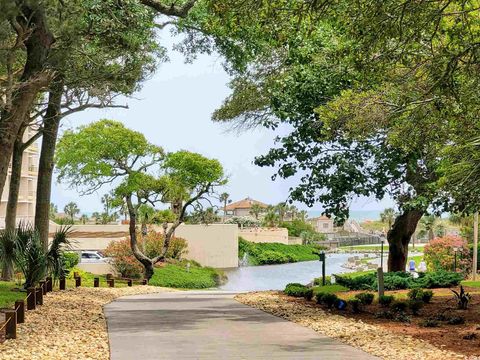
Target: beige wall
point(265, 235)
point(323, 226)
point(211, 245)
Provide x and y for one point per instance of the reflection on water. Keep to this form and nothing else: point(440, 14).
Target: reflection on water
point(275, 277)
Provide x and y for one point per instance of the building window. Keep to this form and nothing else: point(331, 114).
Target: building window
point(325, 225)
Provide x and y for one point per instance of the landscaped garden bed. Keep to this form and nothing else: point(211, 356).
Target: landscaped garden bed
point(69, 325)
point(385, 339)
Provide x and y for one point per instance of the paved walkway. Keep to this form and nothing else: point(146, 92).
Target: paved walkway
point(210, 325)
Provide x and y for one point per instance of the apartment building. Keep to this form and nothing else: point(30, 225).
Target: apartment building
point(28, 185)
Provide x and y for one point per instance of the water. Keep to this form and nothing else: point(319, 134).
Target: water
point(275, 277)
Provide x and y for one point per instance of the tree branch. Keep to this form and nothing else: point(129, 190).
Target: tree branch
point(172, 9)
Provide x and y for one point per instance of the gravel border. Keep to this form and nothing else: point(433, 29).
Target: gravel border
point(372, 339)
point(69, 326)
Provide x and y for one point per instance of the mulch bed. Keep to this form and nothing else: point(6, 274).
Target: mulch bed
point(463, 339)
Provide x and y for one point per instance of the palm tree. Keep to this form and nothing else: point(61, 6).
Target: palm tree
point(429, 222)
point(256, 210)
point(107, 202)
point(388, 216)
point(271, 219)
point(225, 199)
point(293, 212)
point(281, 209)
point(71, 209)
point(7, 253)
point(302, 215)
point(84, 219)
point(53, 211)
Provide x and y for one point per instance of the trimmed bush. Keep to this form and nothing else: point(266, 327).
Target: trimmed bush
point(355, 305)
point(319, 297)
point(415, 306)
point(308, 294)
point(362, 282)
point(386, 300)
point(427, 296)
point(438, 279)
point(399, 305)
point(365, 298)
point(328, 299)
point(318, 281)
point(296, 290)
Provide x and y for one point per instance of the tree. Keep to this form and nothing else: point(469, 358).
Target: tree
point(225, 199)
point(71, 209)
point(256, 210)
point(354, 96)
point(84, 219)
point(388, 216)
point(271, 218)
point(106, 151)
point(107, 201)
point(281, 209)
point(53, 211)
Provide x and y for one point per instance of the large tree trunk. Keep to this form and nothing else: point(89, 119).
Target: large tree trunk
point(145, 261)
point(399, 237)
point(34, 78)
point(51, 123)
point(15, 178)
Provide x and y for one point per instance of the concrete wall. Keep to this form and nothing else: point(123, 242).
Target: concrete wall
point(97, 269)
point(265, 235)
point(211, 245)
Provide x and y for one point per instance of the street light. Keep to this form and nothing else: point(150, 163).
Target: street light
point(455, 249)
point(321, 257)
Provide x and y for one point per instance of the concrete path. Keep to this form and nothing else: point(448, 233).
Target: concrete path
point(210, 325)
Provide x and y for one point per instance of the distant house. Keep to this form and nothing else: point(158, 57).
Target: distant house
point(243, 207)
point(322, 224)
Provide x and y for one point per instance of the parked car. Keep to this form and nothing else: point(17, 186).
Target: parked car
point(92, 257)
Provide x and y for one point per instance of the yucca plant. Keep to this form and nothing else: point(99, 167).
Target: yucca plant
point(7, 253)
point(55, 259)
point(30, 255)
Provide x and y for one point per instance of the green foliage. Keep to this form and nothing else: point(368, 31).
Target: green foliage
point(335, 288)
point(462, 298)
point(420, 295)
point(365, 298)
point(429, 323)
point(362, 282)
point(7, 253)
point(456, 320)
point(438, 279)
point(297, 226)
point(415, 305)
point(295, 289)
point(70, 259)
point(274, 253)
point(319, 280)
point(8, 295)
point(399, 306)
point(56, 265)
point(31, 258)
point(327, 299)
point(386, 300)
point(177, 275)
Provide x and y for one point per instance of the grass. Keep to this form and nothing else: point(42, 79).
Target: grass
point(471, 283)
point(177, 276)
point(331, 289)
point(377, 247)
point(8, 296)
point(275, 253)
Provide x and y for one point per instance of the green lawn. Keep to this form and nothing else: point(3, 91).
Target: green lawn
point(471, 283)
point(177, 276)
point(335, 288)
point(377, 247)
point(7, 296)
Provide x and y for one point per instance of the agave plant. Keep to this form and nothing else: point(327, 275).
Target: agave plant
point(30, 255)
point(55, 259)
point(7, 253)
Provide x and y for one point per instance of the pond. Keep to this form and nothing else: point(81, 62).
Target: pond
point(275, 277)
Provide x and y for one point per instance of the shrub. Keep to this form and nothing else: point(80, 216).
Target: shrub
point(438, 279)
point(175, 275)
point(462, 298)
point(415, 306)
point(355, 305)
point(365, 298)
point(385, 314)
point(318, 281)
point(272, 257)
point(319, 297)
point(308, 294)
point(427, 296)
point(71, 259)
point(415, 294)
point(456, 320)
point(399, 305)
point(429, 323)
point(439, 254)
point(385, 300)
point(295, 289)
point(125, 263)
point(329, 299)
point(395, 280)
point(361, 282)
point(401, 316)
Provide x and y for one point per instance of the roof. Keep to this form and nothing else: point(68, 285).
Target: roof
point(323, 217)
point(245, 204)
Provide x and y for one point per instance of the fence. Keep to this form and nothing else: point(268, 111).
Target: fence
point(35, 298)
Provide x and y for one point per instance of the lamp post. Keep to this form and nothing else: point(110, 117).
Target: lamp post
point(455, 249)
point(321, 257)
point(381, 253)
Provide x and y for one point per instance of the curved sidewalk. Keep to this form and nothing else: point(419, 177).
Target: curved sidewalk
point(210, 325)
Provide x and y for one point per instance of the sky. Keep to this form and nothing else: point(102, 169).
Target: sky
point(173, 110)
